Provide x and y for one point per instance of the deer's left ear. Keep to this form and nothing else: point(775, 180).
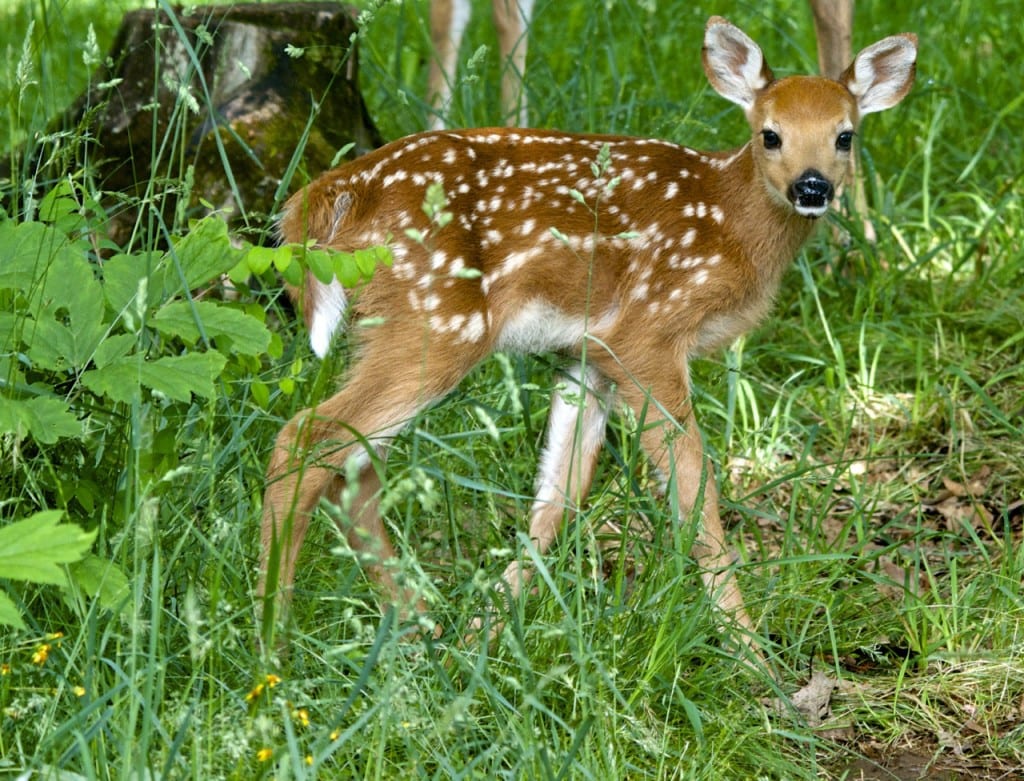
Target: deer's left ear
point(734, 64)
point(883, 73)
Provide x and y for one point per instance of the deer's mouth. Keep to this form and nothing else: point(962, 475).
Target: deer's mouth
point(811, 194)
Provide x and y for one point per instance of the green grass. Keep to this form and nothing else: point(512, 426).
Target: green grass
point(868, 436)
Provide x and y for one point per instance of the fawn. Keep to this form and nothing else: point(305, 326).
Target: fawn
point(626, 255)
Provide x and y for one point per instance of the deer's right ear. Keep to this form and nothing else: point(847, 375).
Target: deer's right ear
point(733, 63)
point(883, 73)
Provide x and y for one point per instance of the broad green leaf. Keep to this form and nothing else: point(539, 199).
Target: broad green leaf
point(346, 269)
point(65, 208)
point(20, 251)
point(52, 272)
point(120, 380)
point(383, 255)
point(292, 274)
point(179, 318)
point(10, 326)
point(114, 347)
point(179, 376)
point(260, 393)
point(121, 277)
point(63, 320)
point(258, 259)
point(239, 273)
point(27, 252)
point(204, 253)
point(47, 342)
point(58, 202)
point(282, 260)
point(319, 262)
point(34, 549)
point(9, 614)
point(176, 377)
point(102, 580)
point(43, 418)
point(61, 347)
point(366, 262)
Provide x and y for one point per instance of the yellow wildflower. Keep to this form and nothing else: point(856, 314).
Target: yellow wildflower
point(42, 653)
point(264, 754)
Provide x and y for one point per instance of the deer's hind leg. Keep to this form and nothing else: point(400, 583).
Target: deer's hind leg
point(398, 375)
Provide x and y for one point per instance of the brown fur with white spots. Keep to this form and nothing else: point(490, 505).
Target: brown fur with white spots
point(672, 252)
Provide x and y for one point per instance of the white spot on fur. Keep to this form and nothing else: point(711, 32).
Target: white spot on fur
point(475, 329)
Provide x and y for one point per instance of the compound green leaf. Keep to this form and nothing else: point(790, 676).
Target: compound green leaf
point(43, 418)
point(247, 335)
point(102, 580)
point(177, 377)
point(204, 253)
point(9, 614)
point(34, 548)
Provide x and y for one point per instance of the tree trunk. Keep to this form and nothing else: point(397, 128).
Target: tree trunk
point(218, 105)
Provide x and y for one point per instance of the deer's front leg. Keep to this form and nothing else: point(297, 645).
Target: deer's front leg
point(697, 487)
point(673, 442)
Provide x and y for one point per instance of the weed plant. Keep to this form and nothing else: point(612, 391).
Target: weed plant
point(868, 438)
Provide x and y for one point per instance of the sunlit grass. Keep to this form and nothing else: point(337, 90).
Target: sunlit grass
point(868, 438)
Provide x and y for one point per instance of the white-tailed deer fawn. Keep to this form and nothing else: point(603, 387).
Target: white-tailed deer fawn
point(626, 255)
point(833, 28)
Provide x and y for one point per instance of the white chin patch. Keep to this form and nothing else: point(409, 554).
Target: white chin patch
point(811, 212)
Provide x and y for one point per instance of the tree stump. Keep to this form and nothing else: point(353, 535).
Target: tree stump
point(219, 104)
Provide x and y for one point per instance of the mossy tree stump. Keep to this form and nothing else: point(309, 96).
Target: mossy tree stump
point(219, 105)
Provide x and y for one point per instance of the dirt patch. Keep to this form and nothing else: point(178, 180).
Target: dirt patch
point(887, 763)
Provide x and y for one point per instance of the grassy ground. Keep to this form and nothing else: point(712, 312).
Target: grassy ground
point(869, 439)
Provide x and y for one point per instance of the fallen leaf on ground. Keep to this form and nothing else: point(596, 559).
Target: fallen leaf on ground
point(812, 702)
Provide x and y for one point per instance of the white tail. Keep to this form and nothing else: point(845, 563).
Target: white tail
point(627, 255)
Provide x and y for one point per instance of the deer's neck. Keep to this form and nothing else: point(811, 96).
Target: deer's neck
point(765, 230)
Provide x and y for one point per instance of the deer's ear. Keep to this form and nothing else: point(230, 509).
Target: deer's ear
point(734, 64)
point(883, 73)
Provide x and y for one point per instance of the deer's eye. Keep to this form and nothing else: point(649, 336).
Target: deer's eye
point(844, 141)
point(771, 139)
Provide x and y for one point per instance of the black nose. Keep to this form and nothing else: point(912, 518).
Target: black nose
point(811, 193)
